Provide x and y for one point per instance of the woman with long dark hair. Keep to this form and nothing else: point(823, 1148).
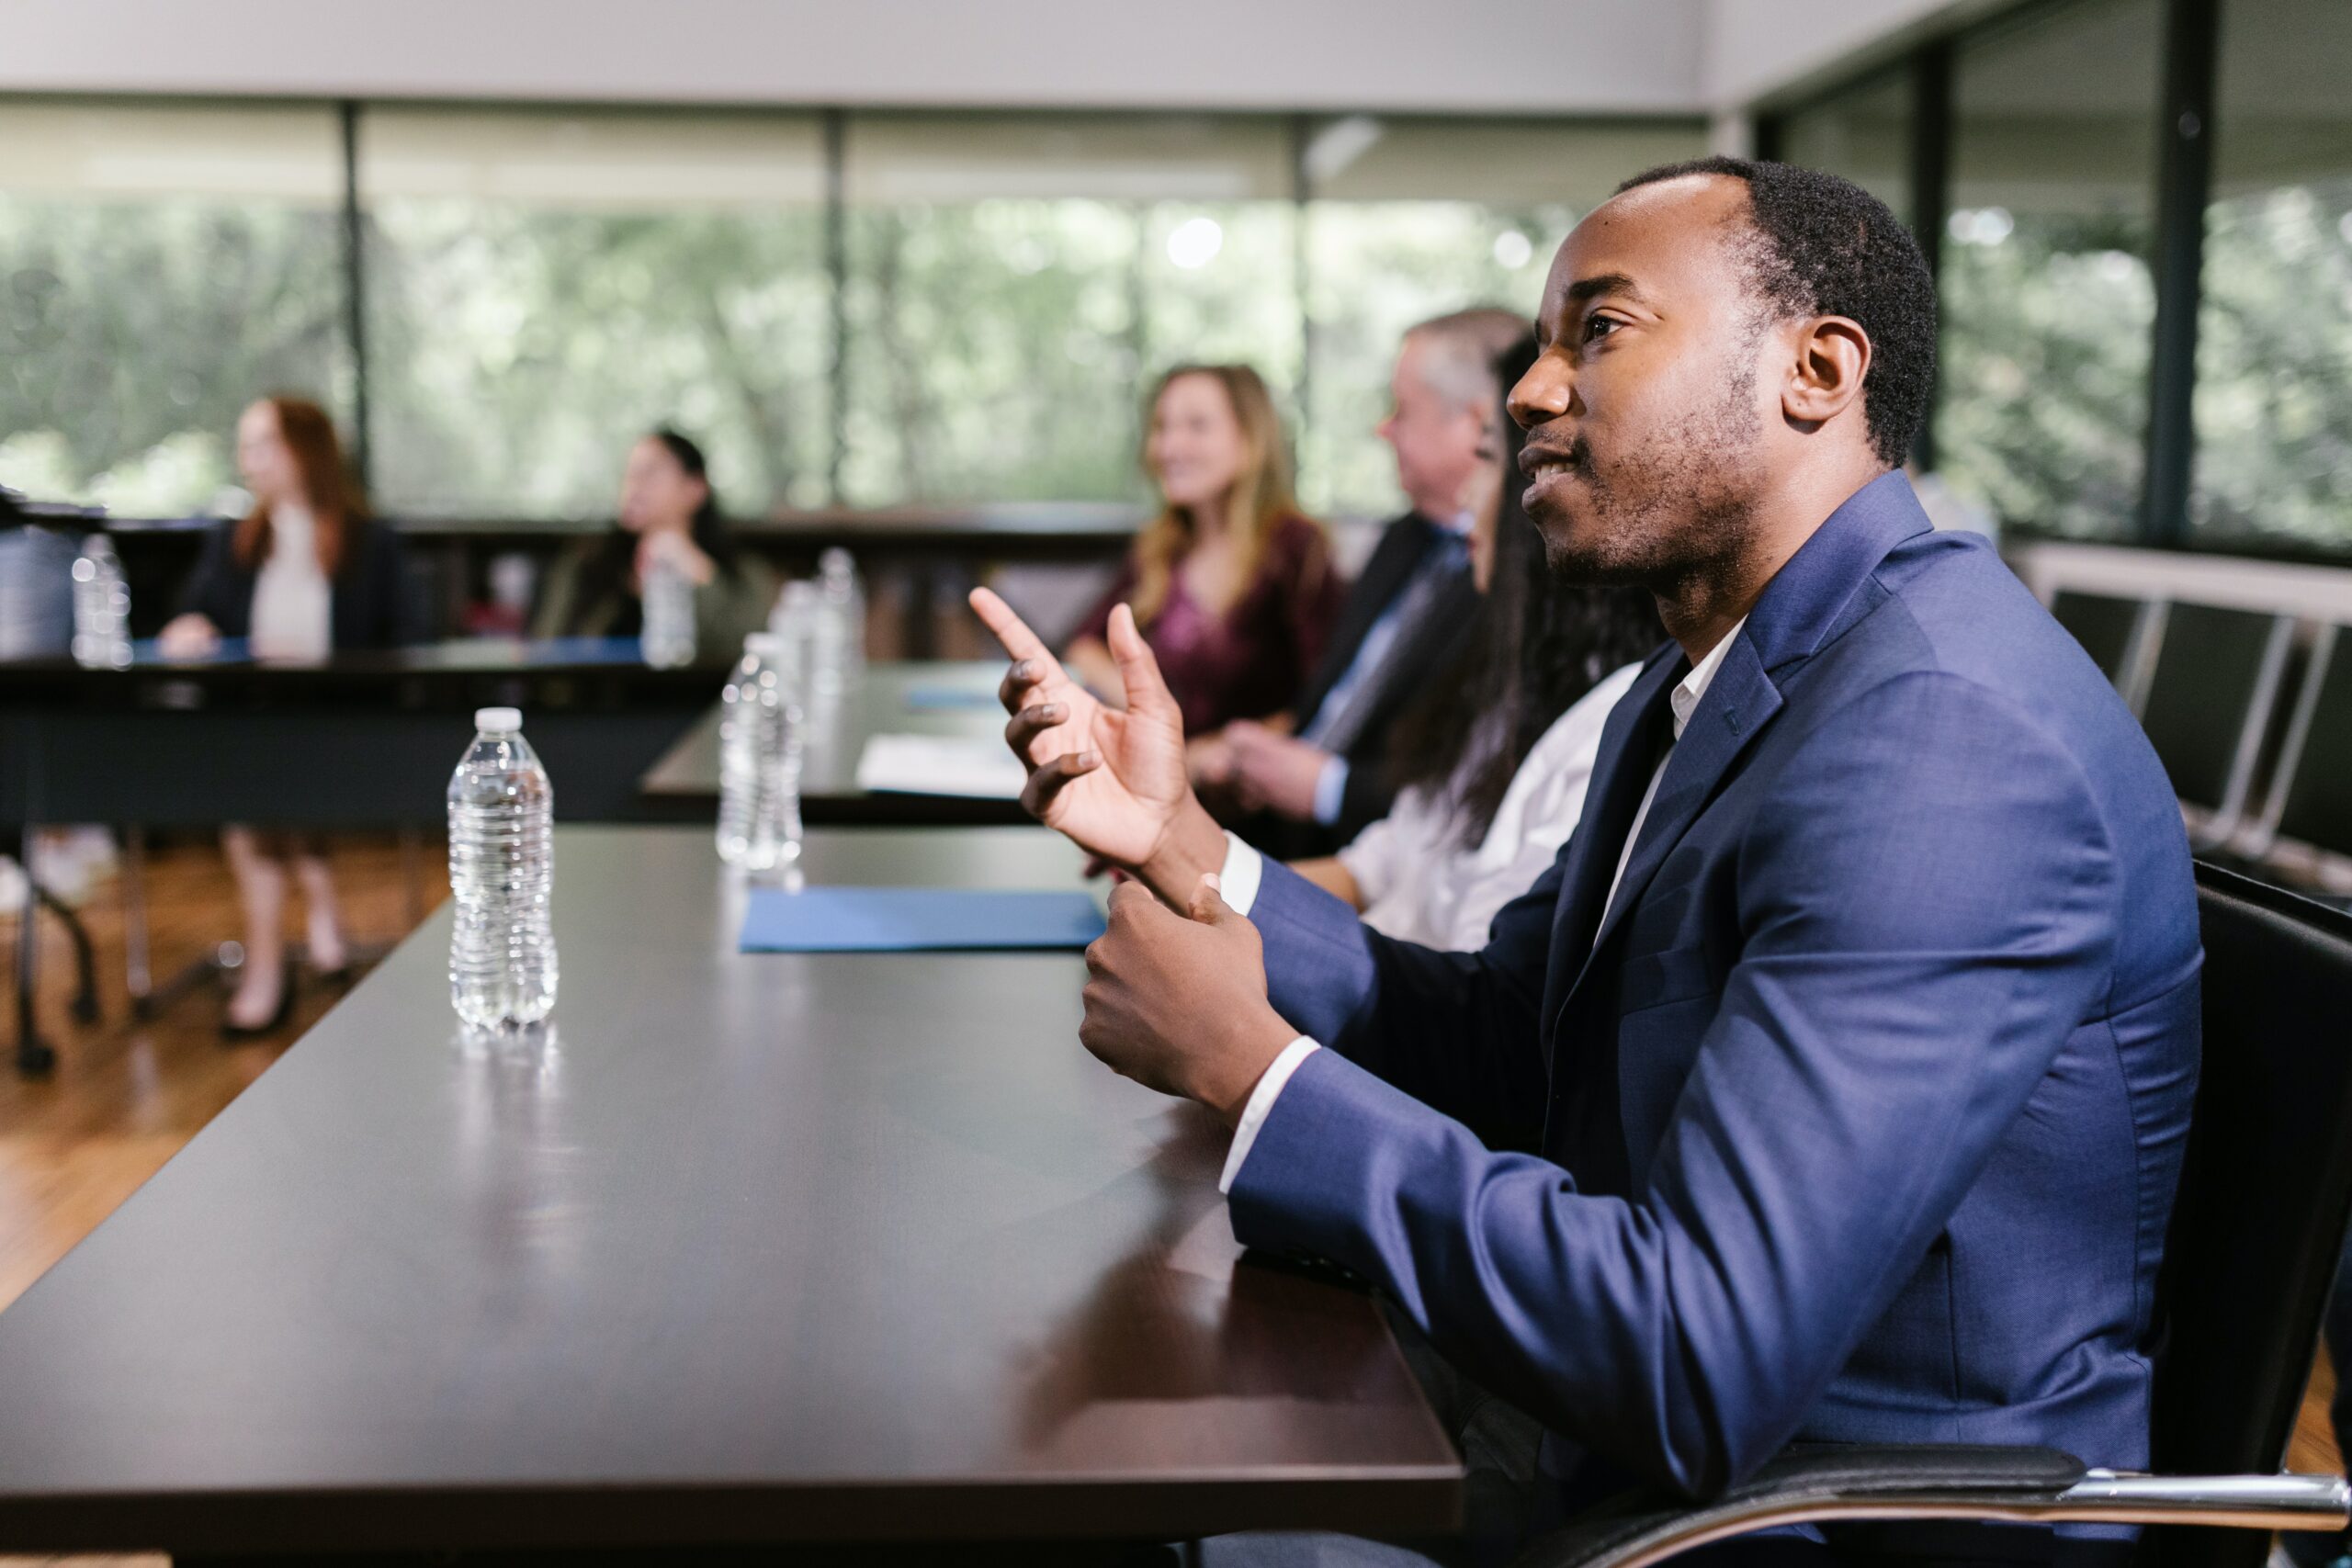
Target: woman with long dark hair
point(301, 574)
point(1495, 762)
point(669, 514)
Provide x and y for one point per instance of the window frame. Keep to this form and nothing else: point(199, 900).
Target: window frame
point(2185, 116)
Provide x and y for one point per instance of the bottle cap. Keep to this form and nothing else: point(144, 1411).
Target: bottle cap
point(498, 721)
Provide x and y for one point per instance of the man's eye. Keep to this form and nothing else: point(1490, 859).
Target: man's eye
point(1597, 327)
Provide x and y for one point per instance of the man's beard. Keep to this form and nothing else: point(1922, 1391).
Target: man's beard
point(1673, 509)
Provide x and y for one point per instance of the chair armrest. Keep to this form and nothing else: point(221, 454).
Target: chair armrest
point(2013, 1485)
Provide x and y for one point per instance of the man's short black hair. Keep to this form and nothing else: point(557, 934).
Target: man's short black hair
point(1830, 248)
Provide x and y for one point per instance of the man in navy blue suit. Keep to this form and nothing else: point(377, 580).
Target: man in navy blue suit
point(1832, 1086)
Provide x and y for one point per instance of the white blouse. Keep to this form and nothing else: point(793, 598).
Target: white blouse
point(293, 609)
point(1419, 884)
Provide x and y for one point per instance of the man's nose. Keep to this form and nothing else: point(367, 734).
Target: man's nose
point(1543, 393)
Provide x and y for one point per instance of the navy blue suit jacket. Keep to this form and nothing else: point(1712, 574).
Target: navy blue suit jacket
point(1859, 1116)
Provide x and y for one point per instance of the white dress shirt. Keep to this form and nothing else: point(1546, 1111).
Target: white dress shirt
point(1245, 869)
point(293, 608)
point(1419, 883)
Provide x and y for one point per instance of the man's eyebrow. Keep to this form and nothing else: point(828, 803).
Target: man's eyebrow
point(1588, 288)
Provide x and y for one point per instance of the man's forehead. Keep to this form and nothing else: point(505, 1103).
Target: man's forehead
point(1660, 236)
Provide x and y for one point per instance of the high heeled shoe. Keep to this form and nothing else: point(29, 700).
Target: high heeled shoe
point(233, 1032)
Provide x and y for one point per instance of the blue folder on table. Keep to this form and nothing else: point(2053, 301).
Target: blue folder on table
point(915, 920)
point(947, 699)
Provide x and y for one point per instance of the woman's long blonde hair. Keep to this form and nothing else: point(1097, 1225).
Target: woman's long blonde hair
point(1261, 491)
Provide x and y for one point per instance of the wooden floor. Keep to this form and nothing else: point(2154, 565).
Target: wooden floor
point(127, 1095)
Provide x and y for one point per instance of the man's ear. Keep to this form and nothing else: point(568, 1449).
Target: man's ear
point(1832, 355)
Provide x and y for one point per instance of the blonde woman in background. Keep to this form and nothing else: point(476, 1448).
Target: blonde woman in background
point(1232, 585)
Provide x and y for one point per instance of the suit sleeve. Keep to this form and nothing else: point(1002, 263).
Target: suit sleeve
point(1369, 794)
point(1925, 911)
point(1456, 1031)
point(733, 605)
point(1312, 604)
point(216, 589)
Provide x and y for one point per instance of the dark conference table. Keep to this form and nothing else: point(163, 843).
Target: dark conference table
point(748, 1248)
point(944, 699)
point(369, 739)
point(357, 739)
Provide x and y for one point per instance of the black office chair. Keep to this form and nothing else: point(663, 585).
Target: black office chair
point(2112, 631)
point(2311, 800)
point(2209, 701)
point(2265, 1194)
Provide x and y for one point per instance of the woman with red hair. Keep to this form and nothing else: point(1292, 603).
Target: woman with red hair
point(301, 574)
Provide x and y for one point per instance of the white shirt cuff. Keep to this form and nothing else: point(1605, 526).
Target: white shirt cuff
point(1261, 1104)
point(1331, 790)
point(1237, 879)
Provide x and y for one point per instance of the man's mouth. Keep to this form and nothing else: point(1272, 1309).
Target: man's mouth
point(1543, 464)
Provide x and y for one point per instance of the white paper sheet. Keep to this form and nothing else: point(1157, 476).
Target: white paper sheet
point(939, 765)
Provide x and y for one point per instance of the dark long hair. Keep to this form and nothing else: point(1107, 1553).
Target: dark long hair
point(708, 527)
point(1538, 646)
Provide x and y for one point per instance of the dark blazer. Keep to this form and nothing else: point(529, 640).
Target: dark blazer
point(1424, 651)
point(377, 604)
point(1859, 1117)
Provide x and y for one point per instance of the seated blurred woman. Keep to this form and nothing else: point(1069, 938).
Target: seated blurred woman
point(303, 573)
point(1232, 585)
point(669, 512)
point(1496, 761)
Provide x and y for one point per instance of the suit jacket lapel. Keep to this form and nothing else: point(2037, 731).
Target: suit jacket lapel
point(1821, 591)
point(1734, 710)
point(1637, 727)
point(1402, 545)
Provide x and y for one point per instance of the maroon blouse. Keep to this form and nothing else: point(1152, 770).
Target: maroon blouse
point(1251, 660)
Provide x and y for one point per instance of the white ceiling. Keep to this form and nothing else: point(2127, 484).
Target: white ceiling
point(1602, 57)
point(1594, 56)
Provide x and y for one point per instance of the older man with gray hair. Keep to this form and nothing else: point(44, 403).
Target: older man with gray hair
point(1407, 620)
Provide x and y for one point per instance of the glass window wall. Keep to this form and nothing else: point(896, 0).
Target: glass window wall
point(161, 267)
point(2274, 350)
point(544, 288)
point(2048, 296)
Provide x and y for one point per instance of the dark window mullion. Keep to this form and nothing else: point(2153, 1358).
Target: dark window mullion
point(2184, 182)
point(1931, 116)
point(837, 286)
point(354, 299)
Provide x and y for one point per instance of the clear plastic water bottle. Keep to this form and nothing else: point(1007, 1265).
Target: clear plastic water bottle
point(667, 638)
point(502, 874)
point(101, 607)
point(759, 757)
point(794, 620)
point(840, 633)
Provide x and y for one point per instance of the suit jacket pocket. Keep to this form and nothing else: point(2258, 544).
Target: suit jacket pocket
point(1654, 979)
